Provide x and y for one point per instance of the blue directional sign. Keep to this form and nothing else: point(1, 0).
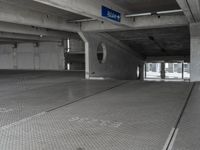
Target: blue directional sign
point(111, 14)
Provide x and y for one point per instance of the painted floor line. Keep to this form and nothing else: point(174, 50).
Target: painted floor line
point(22, 121)
point(168, 139)
point(85, 97)
point(173, 134)
point(173, 140)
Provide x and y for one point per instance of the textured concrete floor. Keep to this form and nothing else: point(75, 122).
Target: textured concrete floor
point(100, 115)
point(188, 136)
point(29, 93)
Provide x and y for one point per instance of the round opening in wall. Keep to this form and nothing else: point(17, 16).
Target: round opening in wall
point(101, 53)
point(138, 72)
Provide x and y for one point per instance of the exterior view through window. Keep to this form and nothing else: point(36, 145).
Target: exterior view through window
point(177, 70)
point(173, 70)
point(153, 70)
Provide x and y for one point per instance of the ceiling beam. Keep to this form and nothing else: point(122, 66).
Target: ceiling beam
point(13, 36)
point(168, 58)
point(91, 9)
point(191, 9)
point(144, 22)
point(31, 30)
point(14, 14)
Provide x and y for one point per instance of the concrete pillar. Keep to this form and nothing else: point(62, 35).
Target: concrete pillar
point(142, 72)
point(119, 61)
point(87, 55)
point(163, 70)
point(15, 57)
point(195, 51)
point(182, 70)
point(145, 70)
point(36, 57)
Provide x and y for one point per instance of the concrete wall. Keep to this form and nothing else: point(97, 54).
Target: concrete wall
point(47, 56)
point(120, 62)
point(7, 56)
point(195, 52)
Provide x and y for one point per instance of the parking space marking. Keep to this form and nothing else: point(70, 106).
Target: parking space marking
point(105, 123)
point(22, 121)
point(168, 139)
point(173, 140)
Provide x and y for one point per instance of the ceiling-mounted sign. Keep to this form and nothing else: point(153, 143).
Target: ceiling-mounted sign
point(111, 14)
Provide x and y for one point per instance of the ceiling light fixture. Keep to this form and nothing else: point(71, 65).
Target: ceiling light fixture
point(169, 11)
point(156, 13)
point(138, 15)
point(82, 20)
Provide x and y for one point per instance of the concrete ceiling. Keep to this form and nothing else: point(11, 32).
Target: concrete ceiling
point(157, 42)
point(150, 42)
point(141, 6)
point(32, 5)
point(12, 36)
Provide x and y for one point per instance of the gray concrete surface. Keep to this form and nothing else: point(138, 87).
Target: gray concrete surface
point(195, 53)
point(120, 61)
point(42, 111)
point(133, 116)
point(188, 131)
point(190, 9)
point(30, 93)
point(42, 17)
point(137, 6)
point(157, 42)
point(47, 56)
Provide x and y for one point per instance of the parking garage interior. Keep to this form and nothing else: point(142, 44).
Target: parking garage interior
point(99, 75)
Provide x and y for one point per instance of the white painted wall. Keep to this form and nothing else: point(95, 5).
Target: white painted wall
point(48, 56)
point(121, 62)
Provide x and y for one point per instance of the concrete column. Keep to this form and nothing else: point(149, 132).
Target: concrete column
point(36, 57)
point(163, 70)
point(37, 60)
point(145, 70)
point(182, 70)
point(87, 55)
point(15, 56)
point(195, 52)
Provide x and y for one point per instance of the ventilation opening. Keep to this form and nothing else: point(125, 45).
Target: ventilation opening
point(101, 53)
point(138, 72)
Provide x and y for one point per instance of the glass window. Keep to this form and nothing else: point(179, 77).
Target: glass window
point(186, 71)
point(153, 70)
point(173, 70)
